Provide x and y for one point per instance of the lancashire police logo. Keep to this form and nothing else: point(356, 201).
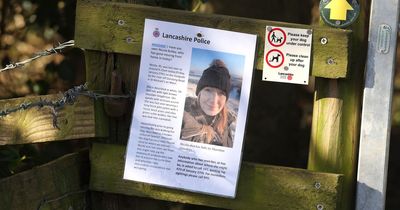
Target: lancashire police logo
point(156, 33)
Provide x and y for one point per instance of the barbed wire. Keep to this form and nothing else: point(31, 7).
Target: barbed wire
point(69, 98)
point(95, 96)
point(47, 52)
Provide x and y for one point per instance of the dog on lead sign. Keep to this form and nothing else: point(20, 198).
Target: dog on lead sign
point(287, 53)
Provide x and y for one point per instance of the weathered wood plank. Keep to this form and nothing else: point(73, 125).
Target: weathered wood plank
point(260, 186)
point(96, 79)
point(36, 125)
point(336, 118)
point(60, 184)
point(118, 27)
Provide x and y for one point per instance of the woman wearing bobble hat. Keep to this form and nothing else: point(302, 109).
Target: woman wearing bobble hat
point(206, 118)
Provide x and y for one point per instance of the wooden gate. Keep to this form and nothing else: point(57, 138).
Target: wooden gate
point(111, 34)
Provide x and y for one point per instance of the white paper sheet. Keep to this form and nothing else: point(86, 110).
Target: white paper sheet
point(174, 57)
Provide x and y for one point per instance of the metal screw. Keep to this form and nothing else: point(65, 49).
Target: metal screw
point(320, 206)
point(121, 22)
point(317, 185)
point(324, 40)
point(129, 39)
point(330, 61)
point(337, 22)
point(269, 28)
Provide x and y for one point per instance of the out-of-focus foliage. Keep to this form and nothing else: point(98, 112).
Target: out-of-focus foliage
point(10, 158)
point(30, 26)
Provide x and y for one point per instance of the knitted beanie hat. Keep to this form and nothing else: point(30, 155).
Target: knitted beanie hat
point(217, 76)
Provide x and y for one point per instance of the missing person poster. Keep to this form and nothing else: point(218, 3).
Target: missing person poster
point(190, 109)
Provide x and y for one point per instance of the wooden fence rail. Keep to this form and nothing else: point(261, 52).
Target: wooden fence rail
point(36, 125)
point(259, 187)
point(60, 184)
point(118, 27)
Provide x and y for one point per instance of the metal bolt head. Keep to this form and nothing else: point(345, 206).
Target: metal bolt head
point(317, 185)
point(121, 22)
point(330, 61)
point(129, 39)
point(324, 40)
point(320, 207)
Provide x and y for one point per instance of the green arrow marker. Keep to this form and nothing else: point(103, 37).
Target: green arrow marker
point(338, 9)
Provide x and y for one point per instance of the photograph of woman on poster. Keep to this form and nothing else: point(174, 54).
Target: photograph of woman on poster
point(206, 118)
point(211, 110)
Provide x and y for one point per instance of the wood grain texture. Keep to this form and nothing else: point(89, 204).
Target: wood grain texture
point(96, 69)
point(60, 184)
point(36, 125)
point(97, 28)
point(336, 116)
point(259, 187)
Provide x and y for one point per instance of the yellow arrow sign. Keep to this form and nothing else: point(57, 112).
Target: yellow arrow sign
point(338, 9)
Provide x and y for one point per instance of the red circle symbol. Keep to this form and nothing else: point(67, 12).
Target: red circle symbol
point(275, 40)
point(276, 60)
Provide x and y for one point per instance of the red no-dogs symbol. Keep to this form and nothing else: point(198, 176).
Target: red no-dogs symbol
point(277, 37)
point(274, 58)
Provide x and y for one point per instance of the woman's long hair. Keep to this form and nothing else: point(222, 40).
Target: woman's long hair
point(222, 120)
point(219, 124)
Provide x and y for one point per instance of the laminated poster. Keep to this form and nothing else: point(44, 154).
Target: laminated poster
point(190, 109)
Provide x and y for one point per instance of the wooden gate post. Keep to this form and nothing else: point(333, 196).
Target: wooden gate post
point(99, 68)
point(336, 119)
